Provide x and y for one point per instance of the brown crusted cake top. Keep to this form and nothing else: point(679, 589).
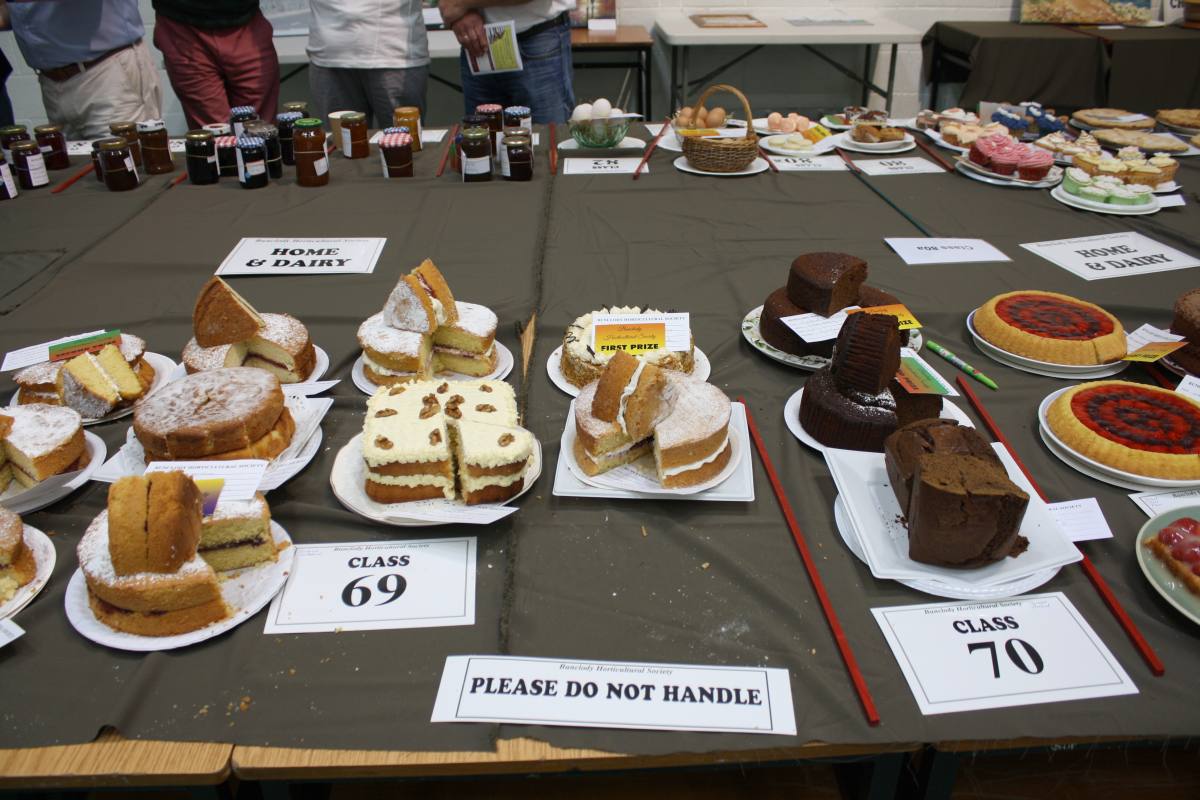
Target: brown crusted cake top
point(940, 435)
point(826, 282)
point(867, 353)
point(616, 376)
point(12, 536)
point(154, 522)
point(222, 316)
point(204, 406)
point(6, 424)
point(435, 283)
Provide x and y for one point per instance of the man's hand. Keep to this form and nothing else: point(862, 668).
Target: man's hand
point(470, 33)
point(453, 10)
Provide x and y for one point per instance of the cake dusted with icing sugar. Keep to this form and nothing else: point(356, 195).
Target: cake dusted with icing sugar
point(95, 384)
point(43, 441)
point(421, 301)
point(39, 383)
point(468, 345)
point(391, 355)
point(237, 534)
point(581, 365)
point(440, 439)
point(281, 346)
point(222, 316)
point(17, 563)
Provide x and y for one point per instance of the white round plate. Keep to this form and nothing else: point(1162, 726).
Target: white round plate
point(1095, 468)
point(1167, 188)
point(504, 365)
point(1173, 366)
point(1179, 128)
point(758, 165)
point(936, 137)
point(20, 500)
point(953, 591)
point(752, 334)
point(829, 122)
point(164, 373)
point(844, 141)
point(1046, 368)
point(739, 445)
point(761, 128)
point(701, 369)
point(791, 418)
point(972, 170)
point(45, 557)
point(1159, 574)
point(246, 592)
point(1069, 459)
point(628, 143)
point(1061, 195)
point(320, 367)
point(767, 143)
point(349, 475)
point(670, 140)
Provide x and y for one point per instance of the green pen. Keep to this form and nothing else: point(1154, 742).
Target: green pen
point(958, 362)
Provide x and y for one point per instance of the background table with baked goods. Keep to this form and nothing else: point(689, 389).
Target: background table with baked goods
point(669, 581)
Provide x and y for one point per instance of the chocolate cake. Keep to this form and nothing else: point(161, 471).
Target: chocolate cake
point(867, 353)
point(913, 407)
point(780, 336)
point(1187, 324)
point(903, 448)
point(853, 421)
point(825, 283)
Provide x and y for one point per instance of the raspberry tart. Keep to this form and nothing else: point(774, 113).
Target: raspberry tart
point(1178, 546)
point(1131, 427)
point(1050, 327)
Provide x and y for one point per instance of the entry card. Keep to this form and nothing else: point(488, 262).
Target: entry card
point(309, 388)
point(1149, 343)
point(302, 256)
point(896, 166)
point(1190, 387)
point(816, 328)
point(918, 377)
point(610, 694)
point(1028, 650)
point(361, 586)
point(898, 310)
point(602, 166)
point(809, 163)
point(1155, 503)
point(1112, 255)
point(481, 514)
point(37, 353)
point(241, 476)
point(10, 632)
point(1080, 520)
point(641, 333)
point(944, 251)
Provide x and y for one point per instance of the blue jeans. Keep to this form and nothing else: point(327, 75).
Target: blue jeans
point(544, 85)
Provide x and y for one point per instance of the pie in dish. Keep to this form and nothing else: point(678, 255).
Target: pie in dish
point(1157, 142)
point(1178, 546)
point(1181, 117)
point(1051, 327)
point(1113, 118)
point(1131, 427)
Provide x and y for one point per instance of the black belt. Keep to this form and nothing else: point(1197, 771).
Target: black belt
point(561, 19)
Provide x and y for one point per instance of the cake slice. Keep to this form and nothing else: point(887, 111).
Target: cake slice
point(601, 445)
point(391, 355)
point(825, 283)
point(84, 386)
point(406, 448)
point(113, 363)
point(691, 443)
point(154, 522)
point(491, 459)
point(44, 441)
point(222, 316)
point(202, 359)
point(411, 308)
point(17, 564)
point(903, 449)
point(237, 534)
point(630, 393)
point(468, 345)
point(434, 283)
point(867, 353)
point(282, 347)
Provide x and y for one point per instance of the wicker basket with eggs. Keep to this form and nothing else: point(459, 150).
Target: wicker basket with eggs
point(694, 126)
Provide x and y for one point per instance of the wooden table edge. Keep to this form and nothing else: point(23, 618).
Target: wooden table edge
point(1032, 742)
point(511, 756)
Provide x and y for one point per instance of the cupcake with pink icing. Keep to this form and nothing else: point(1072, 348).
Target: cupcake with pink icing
point(1004, 162)
point(1034, 164)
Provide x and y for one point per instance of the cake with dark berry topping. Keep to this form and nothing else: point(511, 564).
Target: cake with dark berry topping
point(1051, 327)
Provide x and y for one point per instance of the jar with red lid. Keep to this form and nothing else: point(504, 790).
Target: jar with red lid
point(308, 146)
point(493, 113)
point(29, 165)
point(116, 160)
point(128, 132)
point(226, 147)
point(156, 147)
point(53, 144)
point(395, 153)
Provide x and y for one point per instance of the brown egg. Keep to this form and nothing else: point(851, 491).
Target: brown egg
point(701, 117)
point(685, 115)
point(716, 118)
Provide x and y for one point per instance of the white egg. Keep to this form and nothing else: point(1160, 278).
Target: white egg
point(616, 112)
point(601, 109)
point(582, 112)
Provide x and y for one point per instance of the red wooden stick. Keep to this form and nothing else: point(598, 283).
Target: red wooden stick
point(936, 156)
point(767, 158)
point(853, 167)
point(1101, 585)
point(67, 183)
point(178, 179)
point(835, 626)
point(553, 154)
point(1159, 376)
point(650, 148)
point(446, 150)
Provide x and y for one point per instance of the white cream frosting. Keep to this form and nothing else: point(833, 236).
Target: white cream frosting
point(629, 389)
point(672, 471)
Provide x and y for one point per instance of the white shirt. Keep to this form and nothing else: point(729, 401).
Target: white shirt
point(526, 15)
point(367, 34)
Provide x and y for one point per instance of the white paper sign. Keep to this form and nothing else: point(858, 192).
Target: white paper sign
point(602, 166)
point(1112, 255)
point(677, 326)
point(37, 353)
point(1024, 651)
point(242, 476)
point(816, 328)
point(1171, 201)
point(423, 583)
point(918, 250)
point(433, 137)
point(1080, 520)
point(896, 166)
point(924, 367)
point(1147, 334)
point(302, 256)
point(609, 694)
point(809, 163)
point(10, 632)
point(1189, 387)
point(482, 514)
point(1155, 503)
point(309, 388)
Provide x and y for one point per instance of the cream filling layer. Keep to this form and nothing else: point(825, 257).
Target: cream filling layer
point(629, 389)
point(382, 370)
point(670, 472)
point(625, 448)
point(454, 351)
point(470, 484)
point(412, 480)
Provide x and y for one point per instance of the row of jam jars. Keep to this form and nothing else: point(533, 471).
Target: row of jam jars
point(308, 145)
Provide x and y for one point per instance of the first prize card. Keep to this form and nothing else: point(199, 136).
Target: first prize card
point(641, 333)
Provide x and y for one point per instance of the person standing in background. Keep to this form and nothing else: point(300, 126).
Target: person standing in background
point(367, 55)
point(92, 65)
point(544, 38)
point(218, 54)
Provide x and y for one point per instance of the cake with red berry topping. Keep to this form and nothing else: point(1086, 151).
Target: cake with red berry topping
point(1178, 546)
point(1050, 327)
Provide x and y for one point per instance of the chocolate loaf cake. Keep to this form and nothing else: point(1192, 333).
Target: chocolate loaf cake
point(779, 335)
point(854, 421)
point(1187, 324)
point(825, 283)
point(867, 353)
point(903, 448)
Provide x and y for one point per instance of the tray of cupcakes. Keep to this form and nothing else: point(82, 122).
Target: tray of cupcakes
point(1002, 161)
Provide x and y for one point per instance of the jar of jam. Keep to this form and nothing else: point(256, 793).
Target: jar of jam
point(476, 155)
point(8, 184)
point(201, 149)
point(218, 128)
point(239, 116)
point(494, 114)
point(295, 107)
point(270, 136)
point(518, 160)
point(308, 145)
point(284, 123)
point(354, 135)
point(502, 156)
point(128, 132)
point(518, 117)
point(116, 161)
point(29, 164)
point(97, 165)
point(409, 117)
point(156, 148)
point(252, 162)
point(335, 125)
point(54, 146)
point(395, 154)
point(12, 133)
point(226, 156)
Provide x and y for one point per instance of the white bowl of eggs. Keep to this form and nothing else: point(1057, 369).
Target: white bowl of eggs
point(598, 124)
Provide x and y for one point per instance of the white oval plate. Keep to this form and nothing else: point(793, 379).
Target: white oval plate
point(20, 500)
point(1167, 188)
point(829, 122)
point(246, 592)
point(670, 140)
point(1159, 574)
point(349, 474)
point(818, 148)
point(936, 137)
point(44, 557)
point(628, 143)
point(760, 127)
point(758, 165)
point(972, 170)
point(953, 591)
point(1095, 468)
point(844, 141)
point(1061, 195)
point(1186, 131)
point(752, 334)
point(701, 369)
point(791, 418)
point(320, 367)
point(504, 365)
point(164, 373)
point(739, 442)
point(1046, 368)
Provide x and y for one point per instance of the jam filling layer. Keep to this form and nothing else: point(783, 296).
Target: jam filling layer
point(1052, 318)
point(1139, 419)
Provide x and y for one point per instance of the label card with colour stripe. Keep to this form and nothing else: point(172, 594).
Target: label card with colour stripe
point(1148, 344)
point(38, 353)
point(241, 476)
point(918, 377)
point(641, 333)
